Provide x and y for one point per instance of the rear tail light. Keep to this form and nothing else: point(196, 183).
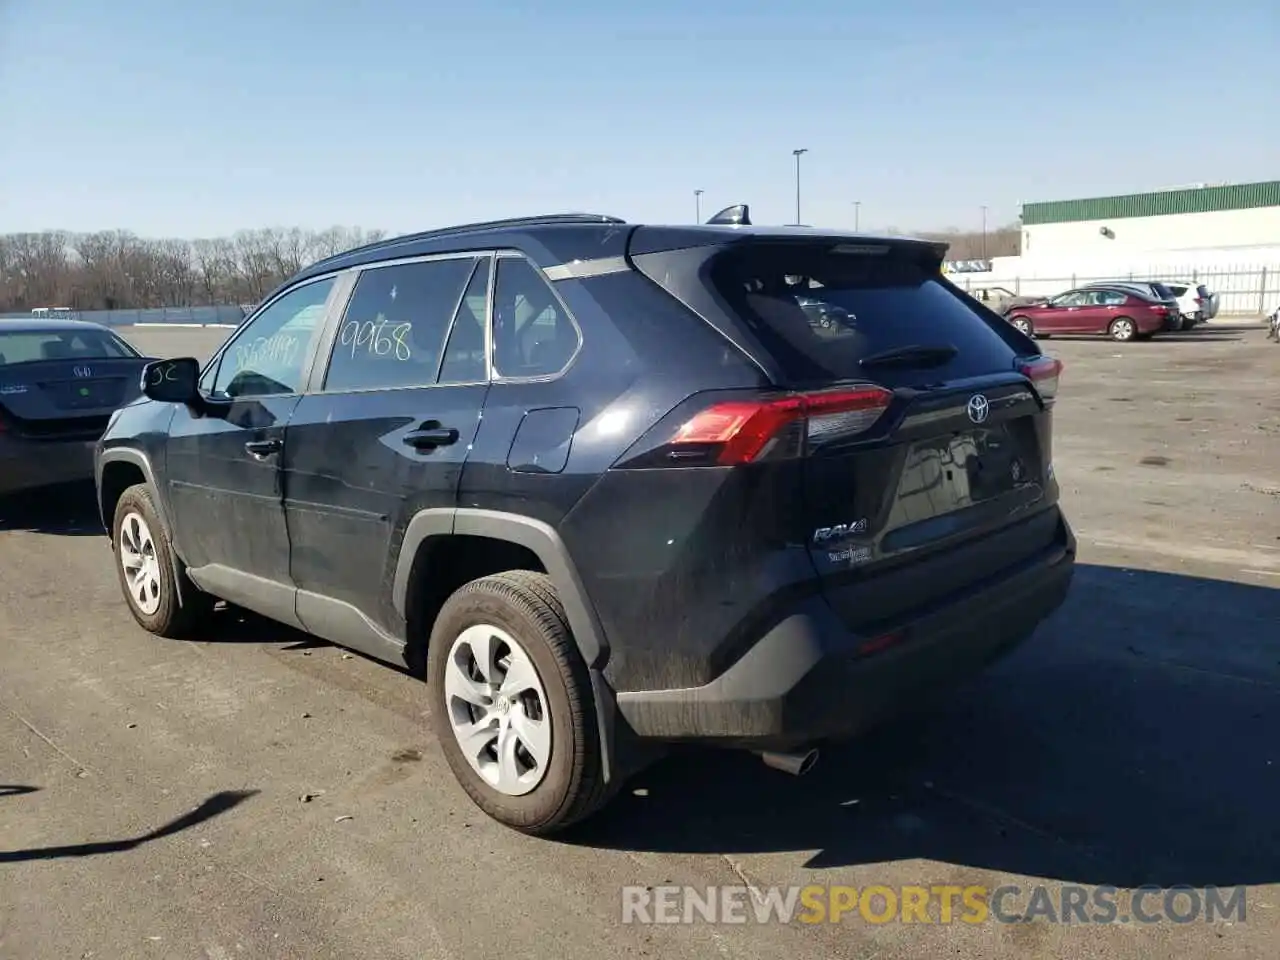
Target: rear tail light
point(744, 431)
point(1043, 372)
point(1159, 308)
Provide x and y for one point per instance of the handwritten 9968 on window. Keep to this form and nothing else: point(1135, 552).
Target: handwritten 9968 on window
point(377, 337)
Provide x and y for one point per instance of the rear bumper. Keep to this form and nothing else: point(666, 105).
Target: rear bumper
point(804, 682)
point(29, 464)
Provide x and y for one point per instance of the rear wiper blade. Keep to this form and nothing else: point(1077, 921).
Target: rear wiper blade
point(914, 355)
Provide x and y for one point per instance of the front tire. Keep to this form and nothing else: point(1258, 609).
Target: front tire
point(145, 565)
point(512, 705)
point(1023, 325)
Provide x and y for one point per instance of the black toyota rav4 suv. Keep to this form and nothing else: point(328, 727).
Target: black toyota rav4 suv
point(606, 486)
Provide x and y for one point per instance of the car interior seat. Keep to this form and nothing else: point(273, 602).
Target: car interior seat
point(56, 350)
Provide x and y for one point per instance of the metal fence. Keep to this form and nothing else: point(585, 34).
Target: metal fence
point(1242, 292)
point(123, 318)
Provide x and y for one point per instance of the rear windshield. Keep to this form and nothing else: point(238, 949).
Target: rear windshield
point(819, 312)
point(1176, 289)
point(1163, 292)
point(24, 346)
point(1203, 291)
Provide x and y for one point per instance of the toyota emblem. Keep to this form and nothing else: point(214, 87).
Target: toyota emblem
point(82, 371)
point(978, 408)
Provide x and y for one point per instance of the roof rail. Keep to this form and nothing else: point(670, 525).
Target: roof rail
point(539, 220)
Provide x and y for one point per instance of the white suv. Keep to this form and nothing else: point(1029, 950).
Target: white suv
point(1195, 302)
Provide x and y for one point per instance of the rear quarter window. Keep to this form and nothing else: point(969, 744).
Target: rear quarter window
point(818, 312)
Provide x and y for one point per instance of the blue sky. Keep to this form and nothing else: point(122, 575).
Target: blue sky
point(198, 119)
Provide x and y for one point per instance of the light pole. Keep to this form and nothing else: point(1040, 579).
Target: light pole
point(697, 206)
point(857, 209)
point(798, 154)
point(984, 233)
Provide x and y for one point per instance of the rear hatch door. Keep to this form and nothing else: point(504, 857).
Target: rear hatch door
point(952, 483)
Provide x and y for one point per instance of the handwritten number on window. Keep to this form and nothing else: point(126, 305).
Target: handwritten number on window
point(280, 349)
point(377, 339)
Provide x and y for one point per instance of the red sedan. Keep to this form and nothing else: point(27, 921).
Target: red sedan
point(1121, 314)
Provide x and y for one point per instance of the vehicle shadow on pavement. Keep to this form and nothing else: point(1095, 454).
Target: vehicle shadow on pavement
point(216, 805)
point(69, 510)
point(15, 790)
point(230, 624)
point(1135, 739)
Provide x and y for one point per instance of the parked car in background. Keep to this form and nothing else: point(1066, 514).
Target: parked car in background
point(1122, 312)
point(60, 381)
point(1195, 301)
point(1146, 288)
point(998, 299)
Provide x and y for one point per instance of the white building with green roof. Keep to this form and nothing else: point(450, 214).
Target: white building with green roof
point(1237, 217)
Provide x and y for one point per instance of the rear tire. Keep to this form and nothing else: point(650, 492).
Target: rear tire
point(1122, 329)
point(529, 704)
point(145, 564)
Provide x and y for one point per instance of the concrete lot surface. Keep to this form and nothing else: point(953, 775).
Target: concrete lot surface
point(265, 795)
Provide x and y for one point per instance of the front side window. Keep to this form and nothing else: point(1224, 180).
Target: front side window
point(533, 335)
point(268, 356)
point(393, 331)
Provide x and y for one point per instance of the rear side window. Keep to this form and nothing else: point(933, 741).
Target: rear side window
point(1177, 289)
point(533, 334)
point(819, 312)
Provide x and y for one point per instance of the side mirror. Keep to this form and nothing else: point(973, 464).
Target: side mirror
point(172, 381)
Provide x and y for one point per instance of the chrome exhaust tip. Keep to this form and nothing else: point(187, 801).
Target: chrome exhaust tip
point(796, 764)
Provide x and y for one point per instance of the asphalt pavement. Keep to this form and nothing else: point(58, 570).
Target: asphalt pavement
point(263, 794)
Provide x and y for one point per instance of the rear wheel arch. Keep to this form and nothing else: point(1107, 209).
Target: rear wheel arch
point(522, 536)
point(435, 534)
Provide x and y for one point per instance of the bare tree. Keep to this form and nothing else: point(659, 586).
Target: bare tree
point(114, 269)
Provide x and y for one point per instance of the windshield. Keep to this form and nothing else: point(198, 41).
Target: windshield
point(27, 346)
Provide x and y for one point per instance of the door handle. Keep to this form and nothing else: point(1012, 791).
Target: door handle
point(428, 438)
point(261, 449)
